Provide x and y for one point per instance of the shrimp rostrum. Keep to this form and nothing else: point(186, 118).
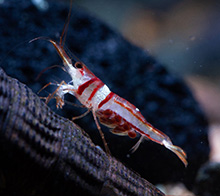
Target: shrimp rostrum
point(111, 110)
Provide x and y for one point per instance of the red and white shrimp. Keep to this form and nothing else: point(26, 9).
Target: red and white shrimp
point(119, 115)
point(116, 113)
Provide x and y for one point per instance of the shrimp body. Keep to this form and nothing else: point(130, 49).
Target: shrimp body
point(125, 119)
point(122, 117)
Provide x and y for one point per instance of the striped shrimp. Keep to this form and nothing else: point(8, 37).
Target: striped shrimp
point(111, 110)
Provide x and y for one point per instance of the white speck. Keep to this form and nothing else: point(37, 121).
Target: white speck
point(137, 109)
point(128, 155)
point(40, 4)
point(99, 147)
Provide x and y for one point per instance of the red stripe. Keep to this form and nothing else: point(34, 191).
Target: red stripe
point(100, 84)
point(140, 131)
point(147, 135)
point(108, 97)
point(82, 87)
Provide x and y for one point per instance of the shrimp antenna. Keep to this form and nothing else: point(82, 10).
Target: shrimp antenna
point(64, 34)
point(66, 25)
point(4, 57)
point(47, 68)
point(72, 56)
point(53, 66)
point(41, 37)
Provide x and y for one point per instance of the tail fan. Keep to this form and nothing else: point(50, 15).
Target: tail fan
point(177, 150)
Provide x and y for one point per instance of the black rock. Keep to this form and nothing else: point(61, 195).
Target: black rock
point(208, 180)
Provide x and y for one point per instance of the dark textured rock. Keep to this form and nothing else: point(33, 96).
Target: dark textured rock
point(164, 99)
point(208, 180)
point(50, 155)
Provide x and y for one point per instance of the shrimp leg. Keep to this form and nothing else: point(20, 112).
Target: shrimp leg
point(101, 133)
point(135, 147)
point(82, 115)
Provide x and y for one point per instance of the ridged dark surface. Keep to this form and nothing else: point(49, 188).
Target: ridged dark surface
point(55, 144)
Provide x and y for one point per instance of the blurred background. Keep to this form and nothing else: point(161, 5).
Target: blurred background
point(183, 35)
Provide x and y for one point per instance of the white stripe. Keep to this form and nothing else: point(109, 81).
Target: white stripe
point(99, 96)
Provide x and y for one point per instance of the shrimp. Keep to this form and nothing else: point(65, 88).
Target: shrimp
point(109, 109)
point(122, 117)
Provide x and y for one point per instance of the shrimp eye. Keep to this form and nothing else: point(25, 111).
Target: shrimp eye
point(78, 65)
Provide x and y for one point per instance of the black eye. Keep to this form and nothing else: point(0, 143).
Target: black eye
point(79, 65)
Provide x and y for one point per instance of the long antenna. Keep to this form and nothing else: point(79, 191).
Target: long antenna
point(66, 25)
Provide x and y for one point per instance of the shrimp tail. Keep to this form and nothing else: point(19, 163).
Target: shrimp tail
point(162, 139)
point(177, 150)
